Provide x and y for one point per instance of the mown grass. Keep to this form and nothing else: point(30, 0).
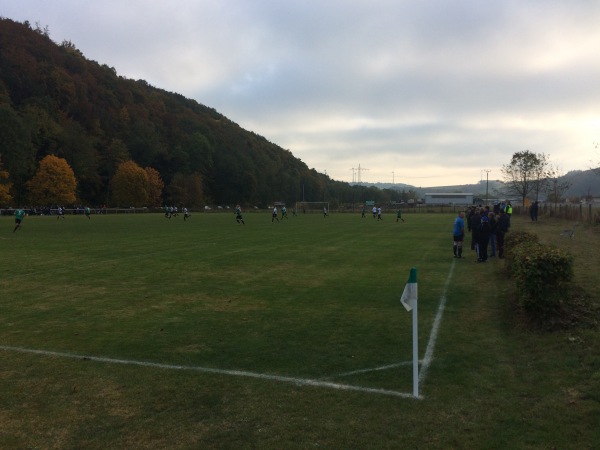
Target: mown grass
point(305, 298)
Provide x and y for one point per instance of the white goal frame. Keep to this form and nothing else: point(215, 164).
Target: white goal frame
point(311, 207)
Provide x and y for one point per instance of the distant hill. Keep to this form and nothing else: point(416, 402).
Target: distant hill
point(583, 183)
point(55, 101)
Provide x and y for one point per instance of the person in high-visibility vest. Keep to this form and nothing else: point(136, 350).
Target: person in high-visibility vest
point(508, 211)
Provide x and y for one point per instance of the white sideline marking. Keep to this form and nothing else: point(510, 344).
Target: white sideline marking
point(237, 373)
point(434, 329)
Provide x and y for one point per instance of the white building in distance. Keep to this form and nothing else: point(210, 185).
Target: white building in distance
point(448, 199)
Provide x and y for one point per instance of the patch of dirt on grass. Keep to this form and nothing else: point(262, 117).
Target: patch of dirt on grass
point(11, 427)
point(115, 400)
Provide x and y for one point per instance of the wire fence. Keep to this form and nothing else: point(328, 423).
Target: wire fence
point(577, 212)
point(75, 211)
point(583, 212)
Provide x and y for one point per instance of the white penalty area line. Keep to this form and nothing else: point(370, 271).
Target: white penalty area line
point(235, 373)
point(425, 363)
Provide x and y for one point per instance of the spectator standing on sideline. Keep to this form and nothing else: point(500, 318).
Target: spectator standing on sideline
point(533, 211)
point(501, 230)
point(483, 239)
point(508, 211)
point(474, 222)
point(493, 226)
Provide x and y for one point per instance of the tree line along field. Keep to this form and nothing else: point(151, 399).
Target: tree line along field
point(305, 298)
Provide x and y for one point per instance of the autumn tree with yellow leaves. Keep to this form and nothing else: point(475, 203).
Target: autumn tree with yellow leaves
point(155, 187)
point(54, 183)
point(5, 186)
point(130, 186)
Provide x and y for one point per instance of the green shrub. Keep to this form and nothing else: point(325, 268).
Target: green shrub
point(542, 275)
point(513, 239)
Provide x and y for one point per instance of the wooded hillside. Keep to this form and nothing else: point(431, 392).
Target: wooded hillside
point(53, 101)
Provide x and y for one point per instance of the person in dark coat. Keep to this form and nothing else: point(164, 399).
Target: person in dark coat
point(493, 226)
point(482, 233)
point(533, 211)
point(474, 222)
point(501, 230)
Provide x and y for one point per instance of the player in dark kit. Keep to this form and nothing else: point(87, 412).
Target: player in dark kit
point(19, 216)
point(399, 216)
point(238, 215)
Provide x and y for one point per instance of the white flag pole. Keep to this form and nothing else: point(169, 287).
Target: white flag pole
point(409, 300)
point(415, 338)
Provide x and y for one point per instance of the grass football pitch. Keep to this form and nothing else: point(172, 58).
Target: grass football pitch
point(136, 331)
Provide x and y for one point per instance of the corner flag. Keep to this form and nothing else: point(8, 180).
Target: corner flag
point(410, 290)
point(409, 300)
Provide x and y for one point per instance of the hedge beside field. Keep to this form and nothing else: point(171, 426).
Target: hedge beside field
point(542, 273)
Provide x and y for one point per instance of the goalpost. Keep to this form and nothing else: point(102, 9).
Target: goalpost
point(312, 207)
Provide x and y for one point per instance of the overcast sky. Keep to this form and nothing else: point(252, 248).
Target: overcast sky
point(423, 92)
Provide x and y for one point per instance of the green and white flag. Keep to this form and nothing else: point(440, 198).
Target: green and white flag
point(410, 290)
